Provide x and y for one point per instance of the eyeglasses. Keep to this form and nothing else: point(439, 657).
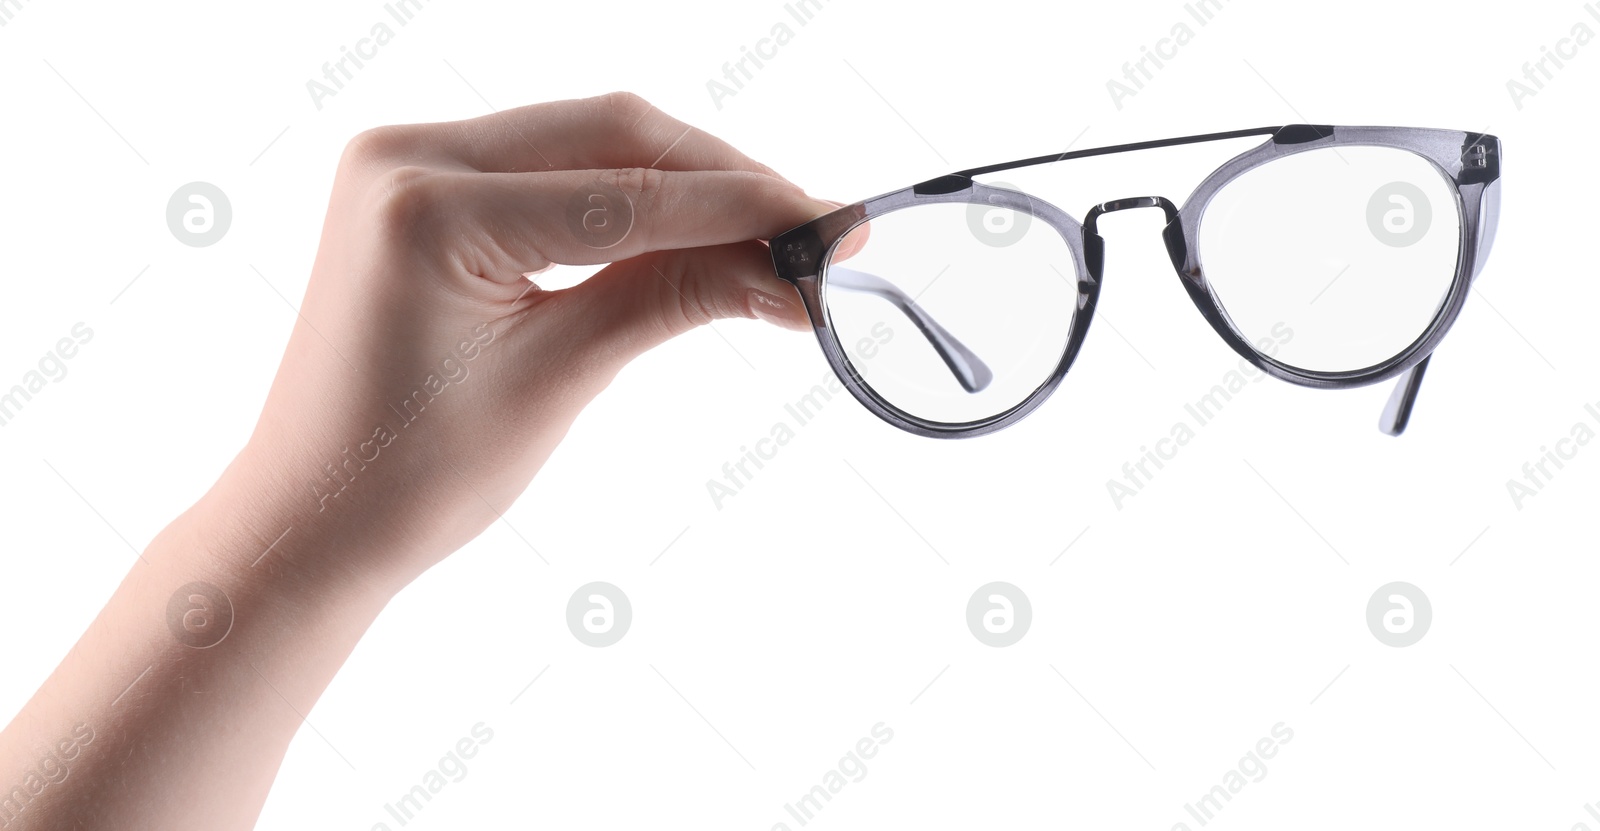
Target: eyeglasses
point(1326, 256)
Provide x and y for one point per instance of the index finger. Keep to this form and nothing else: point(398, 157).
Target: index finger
point(617, 130)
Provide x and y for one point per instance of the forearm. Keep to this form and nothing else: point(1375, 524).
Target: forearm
point(165, 714)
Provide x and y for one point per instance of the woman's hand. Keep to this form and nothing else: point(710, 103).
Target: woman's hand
point(428, 379)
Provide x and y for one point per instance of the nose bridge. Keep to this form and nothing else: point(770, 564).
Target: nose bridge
point(1130, 203)
point(1172, 234)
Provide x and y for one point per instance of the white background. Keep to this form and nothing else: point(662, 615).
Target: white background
point(1168, 636)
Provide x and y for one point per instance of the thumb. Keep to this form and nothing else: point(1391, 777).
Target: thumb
point(636, 304)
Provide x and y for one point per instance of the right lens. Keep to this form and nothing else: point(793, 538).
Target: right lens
point(1338, 258)
point(953, 312)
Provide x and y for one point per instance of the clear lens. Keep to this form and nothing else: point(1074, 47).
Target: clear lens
point(1334, 259)
point(952, 312)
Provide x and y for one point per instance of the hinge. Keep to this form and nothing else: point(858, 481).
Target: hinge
point(1479, 162)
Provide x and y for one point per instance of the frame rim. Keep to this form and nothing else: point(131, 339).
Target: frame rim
point(1064, 225)
point(1433, 146)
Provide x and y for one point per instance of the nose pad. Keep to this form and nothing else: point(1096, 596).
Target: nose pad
point(1177, 249)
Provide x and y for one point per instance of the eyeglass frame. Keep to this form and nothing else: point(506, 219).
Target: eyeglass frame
point(1470, 161)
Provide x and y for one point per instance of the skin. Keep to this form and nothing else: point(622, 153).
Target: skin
point(421, 271)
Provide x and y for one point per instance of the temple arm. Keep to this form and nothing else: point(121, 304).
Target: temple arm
point(1397, 413)
point(1404, 397)
point(969, 369)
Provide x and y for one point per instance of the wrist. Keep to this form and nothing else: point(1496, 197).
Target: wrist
point(221, 629)
point(253, 534)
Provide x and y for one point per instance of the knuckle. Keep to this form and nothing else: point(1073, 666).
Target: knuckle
point(769, 188)
point(626, 116)
point(378, 144)
point(626, 106)
point(688, 288)
point(640, 184)
point(408, 198)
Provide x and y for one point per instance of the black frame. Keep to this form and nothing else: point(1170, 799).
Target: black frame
point(1470, 160)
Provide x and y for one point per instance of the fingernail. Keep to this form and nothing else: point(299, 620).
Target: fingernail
point(772, 309)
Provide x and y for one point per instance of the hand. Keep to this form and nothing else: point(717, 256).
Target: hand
point(429, 379)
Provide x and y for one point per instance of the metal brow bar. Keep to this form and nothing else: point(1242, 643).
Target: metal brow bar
point(1118, 148)
point(960, 179)
point(968, 368)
